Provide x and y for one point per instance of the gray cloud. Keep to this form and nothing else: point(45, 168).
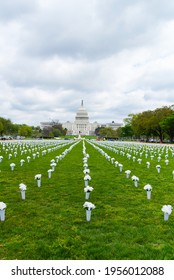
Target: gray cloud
point(11, 10)
point(116, 55)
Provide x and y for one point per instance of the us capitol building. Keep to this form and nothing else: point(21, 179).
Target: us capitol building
point(81, 125)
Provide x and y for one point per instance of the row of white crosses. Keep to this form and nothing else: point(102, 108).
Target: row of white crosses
point(53, 164)
point(32, 147)
point(139, 150)
point(43, 150)
point(23, 187)
point(133, 150)
point(135, 180)
point(3, 206)
point(167, 209)
point(87, 189)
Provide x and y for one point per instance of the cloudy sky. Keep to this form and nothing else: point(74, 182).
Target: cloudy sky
point(116, 55)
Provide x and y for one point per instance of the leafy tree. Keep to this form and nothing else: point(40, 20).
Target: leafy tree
point(159, 115)
point(1, 128)
point(36, 132)
point(97, 131)
point(46, 132)
point(118, 132)
point(148, 123)
point(64, 131)
point(128, 120)
point(51, 135)
point(15, 129)
point(6, 125)
point(141, 124)
point(25, 130)
point(58, 129)
point(126, 131)
point(56, 132)
point(107, 132)
point(168, 126)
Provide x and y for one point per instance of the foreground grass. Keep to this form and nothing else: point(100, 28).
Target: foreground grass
point(51, 224)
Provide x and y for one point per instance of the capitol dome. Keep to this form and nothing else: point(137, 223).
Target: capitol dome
point(81, 125)
point(82, 115)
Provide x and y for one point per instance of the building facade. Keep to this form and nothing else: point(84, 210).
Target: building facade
point(82, 125)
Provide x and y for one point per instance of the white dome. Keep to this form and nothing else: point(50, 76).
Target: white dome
point(82, 114)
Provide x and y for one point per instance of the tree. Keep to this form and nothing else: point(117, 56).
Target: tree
point(6, 126)
point(168, 126)
point(126, 131)
point(58, 129)
point(148, 123)
point(159, 115)
point(128, 120)
point(25, 130)
point(1, 128)
point(36, 132)
point(15, 129)
point(55, 129)
point(56, 132)
point(46, 132)
point(97, 131)
point(141, 124)
point(107, 132)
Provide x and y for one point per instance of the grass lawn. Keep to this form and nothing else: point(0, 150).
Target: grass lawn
point(51, 224)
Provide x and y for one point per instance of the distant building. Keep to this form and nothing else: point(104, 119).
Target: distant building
point(46, 124)
point(81, 125)
point(112, 125)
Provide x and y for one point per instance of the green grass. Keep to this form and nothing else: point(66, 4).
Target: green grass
point(51, 222)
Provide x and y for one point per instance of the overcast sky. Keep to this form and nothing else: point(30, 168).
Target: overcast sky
point(116, 55)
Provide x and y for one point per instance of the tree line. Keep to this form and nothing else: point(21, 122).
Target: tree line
point(151, 125)
point(7, 128)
